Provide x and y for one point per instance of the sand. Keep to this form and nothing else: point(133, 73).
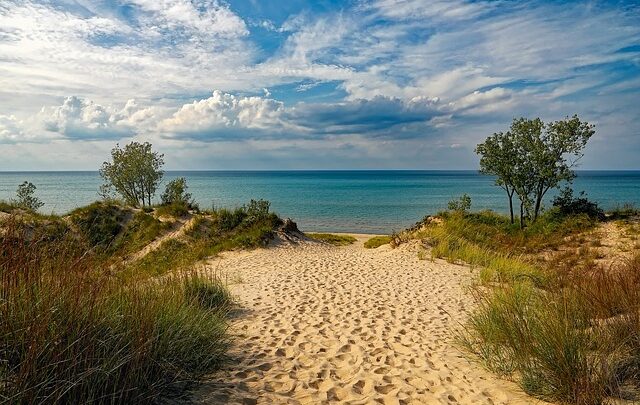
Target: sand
point(320, 324)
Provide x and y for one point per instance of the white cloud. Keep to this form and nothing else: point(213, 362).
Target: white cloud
point(83, 119)
point(10, 129)
point(214, 116)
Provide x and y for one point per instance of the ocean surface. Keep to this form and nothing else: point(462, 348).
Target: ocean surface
point(336, 201)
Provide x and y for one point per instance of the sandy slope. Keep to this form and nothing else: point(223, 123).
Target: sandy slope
point(347, 324)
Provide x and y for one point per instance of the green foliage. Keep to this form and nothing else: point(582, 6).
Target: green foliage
point(333, 239)
point(230, 219)
point(114, 230)
point(72, 333)
point(257, 210)
point(568, 205)
point(209, 295)
point(377, 241)
point(175, 192)
point(100, 223)
point(176, 210)
point(545, 341)
point(462, 204)
point(566, 331)
point(25, 197)
point(224, 230)
point(134, 172)
point(533, 157)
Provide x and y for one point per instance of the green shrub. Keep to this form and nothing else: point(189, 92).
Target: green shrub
point(257, 210)
point(100, 222)
point(228, 219)
point(462, 204)
point(25, 197)
point(176, 209)
point(567, 204)
point(377, 241)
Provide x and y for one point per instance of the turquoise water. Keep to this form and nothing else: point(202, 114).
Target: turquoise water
point(337, 201)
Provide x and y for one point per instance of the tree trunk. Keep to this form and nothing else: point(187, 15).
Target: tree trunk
point(538, 203)
point(521, 215)
point(511, 206)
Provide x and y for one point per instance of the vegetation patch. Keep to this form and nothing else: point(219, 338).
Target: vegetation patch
point(548, 316)
point(333, 239)
point(377, 241)
point(72, 333)
point(246, 227)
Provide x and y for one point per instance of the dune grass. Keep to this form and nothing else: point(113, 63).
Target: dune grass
point(565, 329)
point(71, 332)
point(333, 239)
point(377, 241)
point(211, 234)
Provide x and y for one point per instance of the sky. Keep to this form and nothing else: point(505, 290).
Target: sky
point(272, 84)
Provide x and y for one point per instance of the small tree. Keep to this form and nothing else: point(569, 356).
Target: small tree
point(134, 173)
point(462, 204)
point(25, 198)
point(531, 158)
point(175, 192)
point(555, 153)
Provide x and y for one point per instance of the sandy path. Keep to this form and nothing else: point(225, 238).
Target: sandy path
point(347, 324)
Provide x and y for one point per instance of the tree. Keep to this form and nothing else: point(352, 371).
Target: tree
point(462, 204)
point(134, 172)
point(175, 192)
point(531, 158)
point(497, 156)
point(554, 154)
point(25, 198)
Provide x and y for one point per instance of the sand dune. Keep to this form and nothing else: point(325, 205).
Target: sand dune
point(323, 324)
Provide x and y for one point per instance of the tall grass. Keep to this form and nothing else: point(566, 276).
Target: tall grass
point(566, 329)
point(72, 333)
point(215, 232)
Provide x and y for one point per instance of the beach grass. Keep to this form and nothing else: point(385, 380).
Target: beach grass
point(333, 239)
point(210, 234)
point(72, 332)
point(548, 316)
point(377, 241)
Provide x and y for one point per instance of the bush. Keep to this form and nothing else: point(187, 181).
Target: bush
point(25, 198)
point(176, 192)
point(228, 219)
point(462, 204)
point(71, 333)
point(568, 205)
point(100, 223)
point(257, 210)
point(177, 209)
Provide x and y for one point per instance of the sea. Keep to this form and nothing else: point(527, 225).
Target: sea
point(368, 201)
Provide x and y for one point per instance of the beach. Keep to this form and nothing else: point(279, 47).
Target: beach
point(316, 323)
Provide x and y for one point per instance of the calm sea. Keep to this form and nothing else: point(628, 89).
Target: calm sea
point(338, 201)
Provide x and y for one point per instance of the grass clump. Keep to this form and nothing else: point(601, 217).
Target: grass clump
point(377, 241)
point(332, 239)
point(72, 333)
point(8, 207)
point(112, 229)
point(221, 230)
point(549, 317)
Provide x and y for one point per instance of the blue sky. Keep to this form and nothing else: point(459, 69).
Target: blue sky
point(269, 84)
